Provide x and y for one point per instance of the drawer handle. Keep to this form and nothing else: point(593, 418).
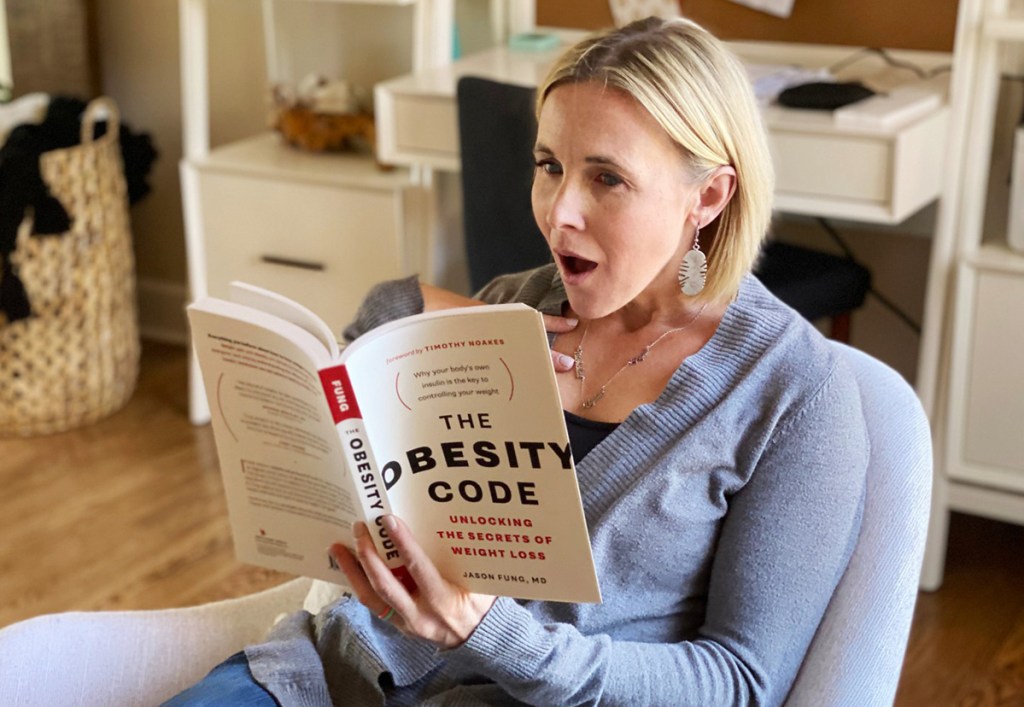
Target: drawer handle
point(292, 262)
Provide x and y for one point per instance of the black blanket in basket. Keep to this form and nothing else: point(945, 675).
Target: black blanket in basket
point(22, 187)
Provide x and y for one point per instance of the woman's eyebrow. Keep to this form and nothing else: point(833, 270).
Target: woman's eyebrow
point(604, 161)
point(600, 160)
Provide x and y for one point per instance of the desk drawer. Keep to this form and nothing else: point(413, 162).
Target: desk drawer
point(879, 178)
point(425, 124)
point(829, 166)
point(323, 246)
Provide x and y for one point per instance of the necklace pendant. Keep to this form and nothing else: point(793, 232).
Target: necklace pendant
point(587, 404)
point(639, 358)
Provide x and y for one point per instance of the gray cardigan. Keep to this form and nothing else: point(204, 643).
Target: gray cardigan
point(721, 517)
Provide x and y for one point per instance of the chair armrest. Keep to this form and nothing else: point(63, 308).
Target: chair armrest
point(857, 653)
point(131, 657)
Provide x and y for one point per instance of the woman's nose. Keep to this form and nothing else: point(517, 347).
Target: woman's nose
point(566, 207)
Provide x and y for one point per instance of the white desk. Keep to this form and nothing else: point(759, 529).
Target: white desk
point(878, 176)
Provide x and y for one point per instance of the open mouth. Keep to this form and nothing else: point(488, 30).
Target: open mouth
point(577, 266)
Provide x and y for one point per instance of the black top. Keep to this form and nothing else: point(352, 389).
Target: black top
point(585, 434)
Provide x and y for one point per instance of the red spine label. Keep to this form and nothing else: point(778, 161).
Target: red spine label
point(340, 397)
point(405, 577)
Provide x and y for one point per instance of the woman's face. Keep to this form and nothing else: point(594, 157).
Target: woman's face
point(611, 195)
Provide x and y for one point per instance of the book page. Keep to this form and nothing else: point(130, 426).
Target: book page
point(468, 434)
point(287, 309)
point(289, 494)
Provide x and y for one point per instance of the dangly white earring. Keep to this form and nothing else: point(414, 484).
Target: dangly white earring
point(694, 268)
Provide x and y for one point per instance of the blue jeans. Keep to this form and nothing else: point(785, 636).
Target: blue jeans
point(230, 683)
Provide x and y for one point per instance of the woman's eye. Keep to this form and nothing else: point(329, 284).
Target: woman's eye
point(549, 166)
point(609, 180)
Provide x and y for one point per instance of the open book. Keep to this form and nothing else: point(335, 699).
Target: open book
point(450, 420)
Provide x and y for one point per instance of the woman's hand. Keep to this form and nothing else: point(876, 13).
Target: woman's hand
point(560, 325)
point(438, 611)
point(435, 298)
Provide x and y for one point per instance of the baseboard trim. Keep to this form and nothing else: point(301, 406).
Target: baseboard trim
point(162, 311)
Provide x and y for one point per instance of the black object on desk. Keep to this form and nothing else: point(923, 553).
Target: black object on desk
point(824, 95)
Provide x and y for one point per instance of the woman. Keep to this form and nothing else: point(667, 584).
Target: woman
point(719, 444)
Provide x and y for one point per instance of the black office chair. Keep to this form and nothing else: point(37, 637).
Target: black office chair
point(816, 284)
point(497, 130)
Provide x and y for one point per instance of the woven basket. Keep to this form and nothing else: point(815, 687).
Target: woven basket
point(77, 359)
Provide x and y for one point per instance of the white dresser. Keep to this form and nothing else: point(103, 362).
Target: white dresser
point(320, 228)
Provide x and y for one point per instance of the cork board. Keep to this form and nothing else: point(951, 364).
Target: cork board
point(901, 24)
point(53, 46)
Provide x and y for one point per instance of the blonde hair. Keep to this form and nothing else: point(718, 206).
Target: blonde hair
point(701, 96)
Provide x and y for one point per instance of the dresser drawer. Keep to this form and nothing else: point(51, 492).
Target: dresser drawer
point(994, 433)
point(987, 391)
point(322, 245)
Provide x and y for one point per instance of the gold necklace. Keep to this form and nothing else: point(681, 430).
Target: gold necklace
point(581, 374)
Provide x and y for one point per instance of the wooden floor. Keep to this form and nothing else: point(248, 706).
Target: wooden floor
point(129, 513)
point(126, 513)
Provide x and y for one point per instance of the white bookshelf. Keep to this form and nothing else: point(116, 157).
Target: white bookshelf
point(972, 381)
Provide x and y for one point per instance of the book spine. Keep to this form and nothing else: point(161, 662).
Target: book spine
point(362, 466)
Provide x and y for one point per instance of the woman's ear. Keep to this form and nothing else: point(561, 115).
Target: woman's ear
point(716, 193)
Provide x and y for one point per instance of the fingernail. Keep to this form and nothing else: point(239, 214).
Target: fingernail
point(358, 529)
point(390, 522)
point(566, 361)
point(572, 322)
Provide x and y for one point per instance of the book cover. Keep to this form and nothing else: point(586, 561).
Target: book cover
point(451, 420)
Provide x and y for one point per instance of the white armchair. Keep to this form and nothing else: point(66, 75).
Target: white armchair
point(121, 658)
point(144, 657)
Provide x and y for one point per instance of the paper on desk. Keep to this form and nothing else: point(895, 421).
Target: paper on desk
point(626, 11)
point(779, 8)
point(769, 80)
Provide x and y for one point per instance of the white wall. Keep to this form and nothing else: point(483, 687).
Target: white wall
point(5, 49)
point(140, 68)
point(139, 63)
